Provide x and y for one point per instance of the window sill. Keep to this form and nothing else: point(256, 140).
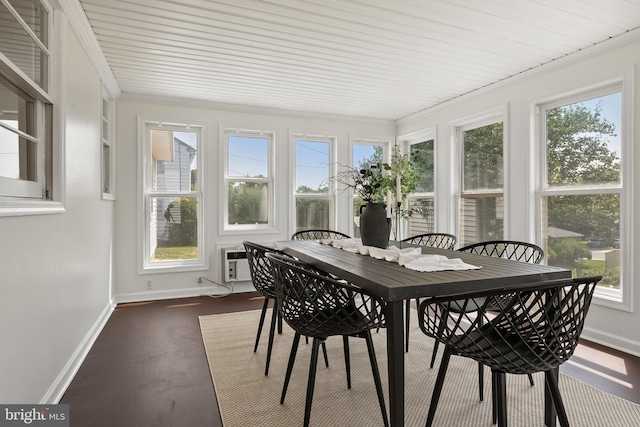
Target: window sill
point(24, 207)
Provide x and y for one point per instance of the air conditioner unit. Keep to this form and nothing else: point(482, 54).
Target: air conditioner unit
point(235, 266)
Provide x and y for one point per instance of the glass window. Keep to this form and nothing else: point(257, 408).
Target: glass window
point(26, 111)
point(582, 186)
point(173, 196)
point(249, 179)
point(314, 202)
point(421, 201)
point(108, 150)
point(481, 198)
point(364, 155)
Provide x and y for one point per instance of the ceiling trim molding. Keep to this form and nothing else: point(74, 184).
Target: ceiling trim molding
point(80, 24)
point(570, 59)
point(250, 109)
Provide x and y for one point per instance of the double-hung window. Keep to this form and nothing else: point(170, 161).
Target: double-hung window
point(481, 202)
point(26, 106)
point(421, 200)
point(108, 149)
point(314, 198)
point(581, 198)
point(172, 196)
point(365, 153)
point(248, 184)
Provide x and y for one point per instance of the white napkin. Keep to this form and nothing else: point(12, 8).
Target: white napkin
point(434, 263)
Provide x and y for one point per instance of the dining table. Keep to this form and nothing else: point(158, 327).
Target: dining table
point(395, 283)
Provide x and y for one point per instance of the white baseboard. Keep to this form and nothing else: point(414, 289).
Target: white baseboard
point(61, 383)
point(234, 287)
point(610, 340)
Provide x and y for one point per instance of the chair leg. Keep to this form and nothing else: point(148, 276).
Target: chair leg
point(552, 385)
point(279, 323)
point(274, 316)
point(262, 316)
point(324, 353)
point(312, 380)
point(530, 379)
point(292, 359)
point(376, 376)
point(437, 389)
point(347, 359)
point(494, 398)
point(433, 353)
point(501, 392)
point(481, 381)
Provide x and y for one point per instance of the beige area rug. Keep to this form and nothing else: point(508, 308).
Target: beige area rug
point(249, 398)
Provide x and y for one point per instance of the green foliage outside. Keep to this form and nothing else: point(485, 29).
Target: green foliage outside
point(248, 203)
point(182, 223)
point(175, 252)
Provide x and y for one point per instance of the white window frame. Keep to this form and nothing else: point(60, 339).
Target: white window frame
point(43, 196)
point(107, 141)
point(468, 123)
point(618, 299)
point(354, 140)
point(225, 227)
point(406, 141)
point(332, 140)
point(145, 125)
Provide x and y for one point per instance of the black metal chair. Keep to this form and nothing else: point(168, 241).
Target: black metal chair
point(318, 235)
point(262, 277)
point(434, 240)
point(531, 329)
point(318, 306)
point(507, 249)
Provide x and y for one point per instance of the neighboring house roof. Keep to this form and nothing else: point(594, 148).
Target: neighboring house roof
point(559, 233)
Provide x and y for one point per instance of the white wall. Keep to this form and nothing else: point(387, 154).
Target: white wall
point(56, 268)
point(129, 285)
point(609, 326)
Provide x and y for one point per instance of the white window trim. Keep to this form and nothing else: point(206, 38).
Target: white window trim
point(299, 135)
point(110, 141)
point(386, 144)
point(406, 141)
point(144, 266)
point(456, 128)
point(23, 206)
point(231, 229)
point(620, 300)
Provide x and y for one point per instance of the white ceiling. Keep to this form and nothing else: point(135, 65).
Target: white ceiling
point(379, 59)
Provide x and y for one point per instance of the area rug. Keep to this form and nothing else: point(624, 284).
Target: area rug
point(247, 397)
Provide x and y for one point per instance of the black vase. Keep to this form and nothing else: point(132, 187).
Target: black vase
point(374, 225)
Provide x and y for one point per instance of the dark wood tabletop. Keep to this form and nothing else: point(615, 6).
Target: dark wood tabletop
point(394, 282)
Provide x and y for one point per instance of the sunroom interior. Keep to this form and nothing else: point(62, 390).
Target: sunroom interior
point(161, 114)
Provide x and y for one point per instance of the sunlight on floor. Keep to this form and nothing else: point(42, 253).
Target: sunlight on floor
point(585, 357)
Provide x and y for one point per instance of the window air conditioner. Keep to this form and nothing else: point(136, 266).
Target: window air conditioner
point(235, 266)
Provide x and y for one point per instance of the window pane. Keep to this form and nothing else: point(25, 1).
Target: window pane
point(248, 157)
point(173, 228)
point(106, 168)
point(313, 213)
point(20, 48)
point(248, 203)
point(582, 233)
point(481, 218)
point(9, 152)
point(175, 162)
point(34, 15)
point(482, 150)
point(421, 157)
point(312, 167)
point(583, 142)
point(366, 155)
point(422, 219)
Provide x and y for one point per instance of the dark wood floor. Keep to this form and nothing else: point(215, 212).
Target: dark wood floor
point(148, 367)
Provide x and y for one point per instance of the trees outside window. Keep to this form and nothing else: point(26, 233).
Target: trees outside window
point(248, 179)
point(421, 201)
point(314, 203)
point(172, 191)
point(581, 189)
point(481, 196)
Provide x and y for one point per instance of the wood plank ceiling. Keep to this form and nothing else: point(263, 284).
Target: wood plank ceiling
point(380, 59)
